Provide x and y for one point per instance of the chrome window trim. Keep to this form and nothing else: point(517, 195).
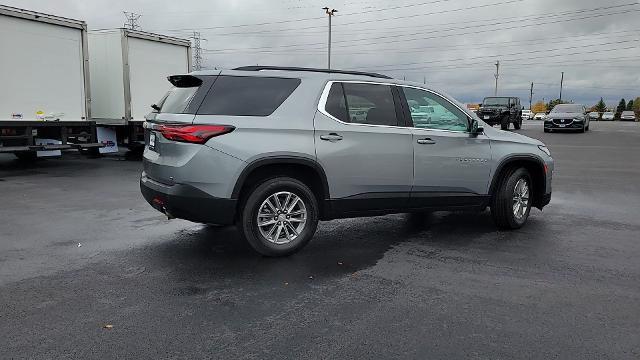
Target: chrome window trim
point(325, 94)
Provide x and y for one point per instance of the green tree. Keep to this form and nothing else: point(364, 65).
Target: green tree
point(622, 105)
point(636, 106)
point(600, 106)
point(555, 102)
point(630, 105)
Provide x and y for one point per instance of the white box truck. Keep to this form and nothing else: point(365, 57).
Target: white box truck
point(44, 97)
point(129, 71)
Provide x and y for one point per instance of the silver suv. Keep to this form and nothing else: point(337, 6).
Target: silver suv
point(274, 150)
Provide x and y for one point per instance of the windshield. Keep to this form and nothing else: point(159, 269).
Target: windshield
point(496, 101)
point(567, 108)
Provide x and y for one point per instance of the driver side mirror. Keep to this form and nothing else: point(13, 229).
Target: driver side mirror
point(476, 128)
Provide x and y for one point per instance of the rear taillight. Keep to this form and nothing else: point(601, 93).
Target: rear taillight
point(197, 134)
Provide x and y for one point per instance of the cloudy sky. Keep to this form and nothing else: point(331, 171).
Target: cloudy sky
point(451, 44)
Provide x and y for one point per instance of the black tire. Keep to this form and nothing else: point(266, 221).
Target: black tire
point(546, 130)
point(504, 123)
point(248, 222)
point(517, 124)
point(502, 200)
point(26, 156)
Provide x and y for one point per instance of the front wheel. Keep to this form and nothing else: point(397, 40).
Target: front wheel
point(511, 202)
point(504, 124)
point(279, 217)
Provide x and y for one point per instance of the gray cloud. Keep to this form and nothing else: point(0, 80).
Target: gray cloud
point(453, 44)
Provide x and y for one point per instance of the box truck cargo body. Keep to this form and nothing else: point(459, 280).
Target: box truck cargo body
point(129, 71)
point(43, 67)
point(44, 97)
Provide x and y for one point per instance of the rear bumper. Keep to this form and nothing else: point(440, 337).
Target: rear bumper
point(188, 203)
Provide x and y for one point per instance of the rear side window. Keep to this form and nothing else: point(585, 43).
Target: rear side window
point(247, 96)
point(177, 99)
point(371, 104)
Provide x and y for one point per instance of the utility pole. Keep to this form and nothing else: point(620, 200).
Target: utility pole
point(561, 81)
point(132, 20)
point(530, 96)
point(330, 13)
point(424, 79)
point(197, 51)
point(497, 75)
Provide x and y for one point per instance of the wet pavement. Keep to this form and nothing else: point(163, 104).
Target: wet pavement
point(80, 250)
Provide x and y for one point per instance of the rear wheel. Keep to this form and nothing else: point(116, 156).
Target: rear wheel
point(511, 202)
point(504, 123)
point(279, 216)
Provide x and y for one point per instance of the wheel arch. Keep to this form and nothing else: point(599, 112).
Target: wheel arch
point(304, 169)
point(534, 164)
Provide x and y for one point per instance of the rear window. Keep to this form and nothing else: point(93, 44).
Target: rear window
point(247, 96)
point(177, 99)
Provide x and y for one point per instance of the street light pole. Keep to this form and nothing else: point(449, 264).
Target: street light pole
point(497, 75)
point(330, 13)
point(561, 81)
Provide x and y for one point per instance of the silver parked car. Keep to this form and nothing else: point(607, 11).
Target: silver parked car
point(274, 150)
point(608, 115)
point(628, 116)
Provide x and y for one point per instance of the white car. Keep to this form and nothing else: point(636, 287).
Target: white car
point(526, 114)
point(608, 116)
point(594, 115)
point(628, 116)
point(540, 116)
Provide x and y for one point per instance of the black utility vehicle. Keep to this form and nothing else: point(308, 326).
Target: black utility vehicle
point(503, 110)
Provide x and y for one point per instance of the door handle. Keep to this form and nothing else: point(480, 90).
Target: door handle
point(333, 137)
point(426, 141)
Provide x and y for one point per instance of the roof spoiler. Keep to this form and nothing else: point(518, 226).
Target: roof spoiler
point(185, 81)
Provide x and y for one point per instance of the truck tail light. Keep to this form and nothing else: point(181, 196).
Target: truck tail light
point(197, 134)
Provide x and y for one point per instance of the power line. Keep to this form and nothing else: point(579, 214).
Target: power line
point(451, 47)
point(508, 54)
point(421, 37)
point(356, 13)
point(456, 66)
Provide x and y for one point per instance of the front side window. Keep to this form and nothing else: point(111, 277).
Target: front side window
point(430, 111)
point(370, 104)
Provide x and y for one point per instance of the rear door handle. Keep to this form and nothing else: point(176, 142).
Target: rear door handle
point(333, 137)
point(426, 141)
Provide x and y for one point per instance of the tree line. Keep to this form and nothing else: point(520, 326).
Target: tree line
point(600, 106)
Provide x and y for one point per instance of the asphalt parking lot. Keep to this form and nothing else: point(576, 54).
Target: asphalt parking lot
point(80, 250)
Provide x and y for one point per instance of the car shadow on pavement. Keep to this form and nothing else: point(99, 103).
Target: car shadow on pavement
point(339, 248)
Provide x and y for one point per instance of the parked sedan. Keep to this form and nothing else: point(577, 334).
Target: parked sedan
point(539, 116)
point(628, 116)
point(567, 117)
point(608, 116)
point(594, 115)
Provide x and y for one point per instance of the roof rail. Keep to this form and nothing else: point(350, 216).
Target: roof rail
point(329, 71)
